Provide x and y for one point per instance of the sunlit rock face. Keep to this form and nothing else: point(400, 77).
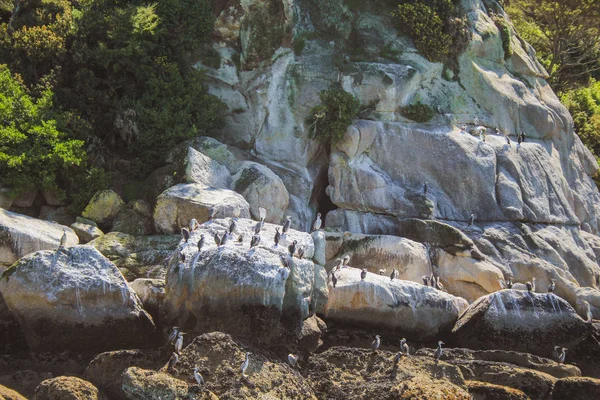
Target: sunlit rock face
point(520, 321)
point(74, 299)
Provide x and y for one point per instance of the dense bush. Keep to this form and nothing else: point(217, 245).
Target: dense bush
point(328, 121)
point(584, 105)
point(33, 152)
point(417, 112)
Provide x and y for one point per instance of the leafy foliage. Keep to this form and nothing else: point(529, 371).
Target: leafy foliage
point(505, 34)
point(418, 112)
point(33, 152)
point(584, 106)
point(329, 120)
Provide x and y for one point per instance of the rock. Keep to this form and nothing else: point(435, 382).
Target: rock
point(21, 235)
point(576, 388)
point(160, 180)
point(342, 372)
point(25, 199)
point(24, 382)
point(520, 321)
point(60, 215)
point(407, 307)
point(85, 221)
point(141, 207)
point(375, 252)
point(103, 207)
point(151, 292)
point(437, 234)
point(133, 223)
point(106, 369)
point(242, 291)
point(261, 187)
point(361, 222)
point(9, 394)
point(313, 329)
point(138, 257)
point(141, 384)
point(6, 198)
point(205, 171)
point(86, 233)
point(320, 242)
point(218, 358)
point(586, 353)
point(489, 391)
point(74, 299)
point(67, 388)
point(176, 206)
point(54, 198)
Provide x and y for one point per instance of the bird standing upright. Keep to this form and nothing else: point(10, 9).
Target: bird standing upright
point(317, 223)
point(394, 275)
point(425, 188)
point(286, 225)
point(471, 219)
point(245, 364)
point(292, 360)
point(185, 233)
point(255, 241)
point(200, 243)
point(199, 379)
point(363, 274)
point(562, 355)
point(277, 237)
point(333, 279)
point(63, 239)
point(438, 351)
point(193, 224)
point(551, 286)
point(375, 344)
point(404, 347)
point(172, 362)
point(179, 342)
point(292, 248)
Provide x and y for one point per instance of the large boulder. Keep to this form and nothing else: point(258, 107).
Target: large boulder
point(141, 384)
point(261, 187)
point(85, 232)
point(24, 382)
point(74, 299)
point(176, 206)
point(520, 321)
point(576, 389)
point(138, 257)
point(408, 308)
point(218, 358)
point(129, 221)
point(9, 394)
point(151, 292)
point(67, 388)
point(21, 235)
point(103, 207)
point(205, 171)
point(241, 290)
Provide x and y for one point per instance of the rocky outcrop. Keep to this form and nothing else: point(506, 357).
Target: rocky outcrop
point(24, 382)
point(9, 394)
point(141, 384)
point(414, 309)
point(21, 235)
point(85, 232)
point(134, 219)
point(138, 257)
point(240, 290)
point(105, 371)
point(520, 321)
point(261, 187)
point(74, 299)
point(489, 391)
point(67, 388)
point(103, 207)
point(176, 206)
point(576, 389)
point(205, 171)
point(151, 292)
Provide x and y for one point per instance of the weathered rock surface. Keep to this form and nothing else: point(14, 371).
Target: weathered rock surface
point(576, 389)
point(24, 382)
point(131, 220)
point(141, 384)
point(21, 235)
point(520, 321)
point(151, 292)
point(408, 308)
point(489, 391)
point(138, 257)
point(67, 388)
point(240, 290)
point(218, 357)
point(86, 233)
point(9, 394)
point(105, 371)
point(74, 299)
point(176, 206)
point(261, 187)
point(103, 207)
point(60, 215)
point(205, 171)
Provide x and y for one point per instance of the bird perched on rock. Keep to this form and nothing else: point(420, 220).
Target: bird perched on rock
point(172, 362)
point(556, 353)
point(217, 239)
point(472, 219)
point(363, 274)
point(333, 279)
point(508, 140)
point(185, 233)
point(262, 213)
point(292, 359)
point(506, 284)
point(438, 284)
point(300, 252)
point(425, 280)
point(181, 256)
point(346, 260)
point(173, 334)
point(63, 239)
point(257, 228)
point(523, 136)
point(284, 261)
point(286, 225)
point(199, 379)
point(562, 355)
point(277, 237)
point(318, 222)
point(240, 239)
point(245, 364)
point(292, 248)
point(232, 226)
point(530, 285)
point(255, 241)
point(193, 224)
point(375, 344)
point(425, 188)
point(432, 280)
point(200, 243)
point(404, 347)
point(393, 275)
point(438, 351)
point(551, 286)
point(339, 263)
point(179, 342)
point(224, 239)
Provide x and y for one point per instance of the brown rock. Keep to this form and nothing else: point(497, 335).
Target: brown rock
point(66, 388)
point(576, 389)
point(488, 391)
point(24, 382)
point(141, 384)
point(9, 394)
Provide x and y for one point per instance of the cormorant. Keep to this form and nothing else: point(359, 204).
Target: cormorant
point(363, 274)
point(199, 379)
point(255, 241)
point(172, 362)
point(394, 275)
point(292, 360)
point(185, 233)
point(552, 286)
point(375, 344)
point(277, 237)
point(471, 219)
point(317, 224)
point(245, 364)
point(200, 243)
point(63, 239)
point(286, 225)
point(300, 252)
point(292, 248)
point(438, 351)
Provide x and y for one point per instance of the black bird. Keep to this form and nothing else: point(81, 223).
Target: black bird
point(240, 239)
point(257, 228)
point(472, 219)
point(217, 239)
point(292, 248)
point(394, 275)
point(519, 138)
point(300, 252)
point(224, 239)
point(185, 233)
point(523, 136)
point(286, 224)
point(333, 279)
point(509, 284)
point(507, 140)
point(363, 274)
point(200, 243)
point(425, 280)
point(277, 237)
point(172, 362)
point(255, 241)
point(425, 187)
point(284, 261)
point(181, 256)
point(232, 226)
point(552, 286)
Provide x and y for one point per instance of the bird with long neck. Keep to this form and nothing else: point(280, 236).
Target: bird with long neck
point(292, 360)
point(562, 355)
point(551, 286)
point(245, 364)
point(438, 351)
point(317, 224)
point(199, 379)
point(375, 344)
point(404, 347)
point(172, 362)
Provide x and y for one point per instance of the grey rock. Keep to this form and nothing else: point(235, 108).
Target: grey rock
point(103, 207)
point(205, 171)
point(86, 233)
point(151, 292)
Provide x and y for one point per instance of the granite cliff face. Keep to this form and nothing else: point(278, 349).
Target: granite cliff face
point(536, 206)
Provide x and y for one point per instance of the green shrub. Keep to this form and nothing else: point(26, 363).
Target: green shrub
point(33, 152)
point(329, 121)
point(505, 34)
point(417, 112)
point(85, 184)
point(299, 45)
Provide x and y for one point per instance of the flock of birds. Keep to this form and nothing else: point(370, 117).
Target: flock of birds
point(481, 132)
point(529, 285)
